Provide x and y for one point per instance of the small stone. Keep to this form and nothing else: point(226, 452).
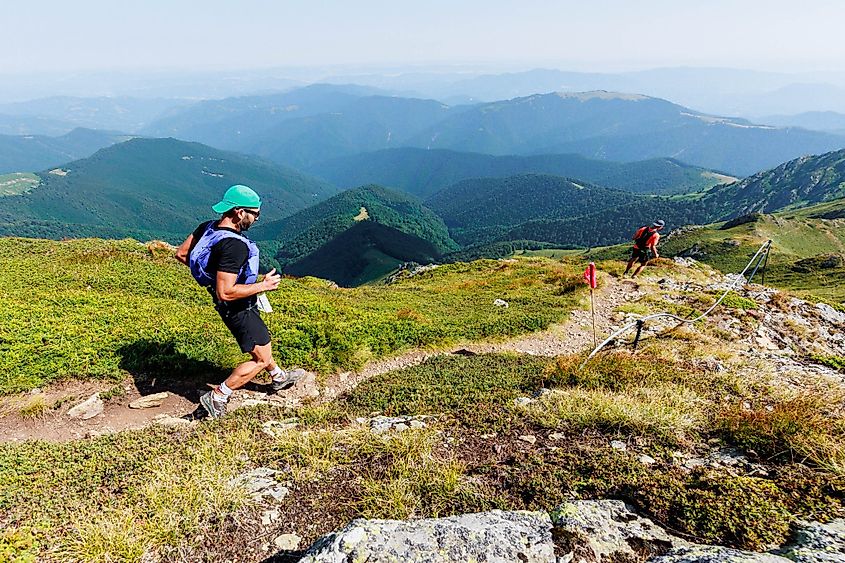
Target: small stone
point(275, 428)
point(253, 403)
point(647, 460)
point(487, 436)
point(35, 391)
point(172, 421)
point(501, 303)
point(529, 439)
point(269, 516)
point(149, 401)
point(619, 445)
point(417, 424)
point(261, 483)
point(287, 542)
point(557, 436)
point(89, 408)
point(96, 433)
point(522, 401)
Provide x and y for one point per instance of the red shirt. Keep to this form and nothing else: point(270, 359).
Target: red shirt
point(652, 239)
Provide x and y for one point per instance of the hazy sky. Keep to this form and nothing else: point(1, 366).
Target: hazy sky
point(786, 35)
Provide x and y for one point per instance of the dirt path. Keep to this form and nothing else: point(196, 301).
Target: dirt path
point(54, 424)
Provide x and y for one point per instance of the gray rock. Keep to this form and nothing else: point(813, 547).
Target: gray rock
point(529, 439)
point(287, 542)
point(381, 424)
point(605, 530)
point(89, 408)
point(275, 428)
point(501, 303)
point(149, 401)
point(646, 460)
point(830, 314)
point(172, 421)
point(715, 554)
point(817, 543)
point(494, 536)
point(261, 484)
point(619, 445)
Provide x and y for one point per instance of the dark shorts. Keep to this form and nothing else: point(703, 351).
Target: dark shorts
point(642, 256)
point(247, 327)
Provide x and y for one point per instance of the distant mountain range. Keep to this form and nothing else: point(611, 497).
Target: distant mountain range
point(31, 153)
point(621, 127)
point(310, 125)
point(228, 122)
point(423, 172)
point(721, 91)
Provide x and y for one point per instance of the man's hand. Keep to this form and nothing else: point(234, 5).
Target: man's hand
point(271, 280)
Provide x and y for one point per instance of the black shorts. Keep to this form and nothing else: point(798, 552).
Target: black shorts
point(247, 327)
point(642, 256)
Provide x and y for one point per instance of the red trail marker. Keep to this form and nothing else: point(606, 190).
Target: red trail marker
point(590, 278)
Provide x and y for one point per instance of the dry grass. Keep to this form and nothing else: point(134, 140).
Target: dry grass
point(671, 412)
point(35, 407)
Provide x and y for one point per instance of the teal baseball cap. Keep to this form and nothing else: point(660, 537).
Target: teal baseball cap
point(238, 196)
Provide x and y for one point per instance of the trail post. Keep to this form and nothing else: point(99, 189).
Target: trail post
point(590, 277)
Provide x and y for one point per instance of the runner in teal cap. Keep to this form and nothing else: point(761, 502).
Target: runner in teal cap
point(224, 261)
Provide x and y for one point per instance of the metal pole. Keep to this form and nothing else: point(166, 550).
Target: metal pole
point(640, 325)
point(763, 274)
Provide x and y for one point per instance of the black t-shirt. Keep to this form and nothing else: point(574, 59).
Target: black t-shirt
point(227, 255)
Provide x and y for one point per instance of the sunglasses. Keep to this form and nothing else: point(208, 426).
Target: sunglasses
point(256, 212)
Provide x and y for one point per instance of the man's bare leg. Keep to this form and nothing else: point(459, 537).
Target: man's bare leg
point(262, 358)
point(628, 269)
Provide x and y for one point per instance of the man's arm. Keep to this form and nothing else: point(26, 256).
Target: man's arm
point(228, 290)
point(182, 251)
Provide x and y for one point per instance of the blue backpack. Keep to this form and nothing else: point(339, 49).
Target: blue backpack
point(198, 259)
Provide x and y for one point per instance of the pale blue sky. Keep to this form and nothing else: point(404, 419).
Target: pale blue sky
point(792, 35)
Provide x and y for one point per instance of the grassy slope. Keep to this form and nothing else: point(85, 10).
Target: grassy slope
point(93, 308)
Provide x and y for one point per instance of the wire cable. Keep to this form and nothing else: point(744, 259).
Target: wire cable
point(639, 322)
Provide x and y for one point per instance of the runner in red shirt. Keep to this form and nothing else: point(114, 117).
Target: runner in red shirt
point(645, 246)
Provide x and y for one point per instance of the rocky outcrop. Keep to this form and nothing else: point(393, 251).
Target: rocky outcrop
point(609, 530)
point(494, 536)
point(602, 531)
point(817, 543)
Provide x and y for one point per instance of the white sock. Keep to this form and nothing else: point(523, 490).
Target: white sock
point(224, 391)
point(278, 374)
